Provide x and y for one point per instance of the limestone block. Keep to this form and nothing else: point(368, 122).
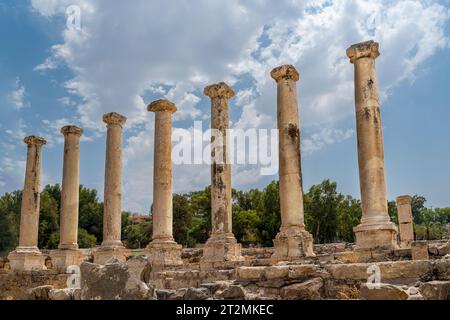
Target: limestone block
point(233, 292)
point(276, 272)
point(103, 254)
point(435, 290)
point(383, 291)
point(250, 273)
point(419, 250)
point(164, 253)
point(308, 290)
point(61, 259)
point(26, 260)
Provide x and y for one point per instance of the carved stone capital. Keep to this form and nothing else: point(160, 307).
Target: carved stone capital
point(71, 130)
point(114, 118)
point(404, 199)
point(34, 140)
point(218, 90)
point(286, 71)
point(162, 105)
point(367, 49)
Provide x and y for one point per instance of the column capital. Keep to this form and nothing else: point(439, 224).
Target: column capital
point(162, 105)
point(367, 49)
point(286, 71)
point(218, 90)
point(34, 140)
point(114, 118)
point(404, 199)
point(66, 130)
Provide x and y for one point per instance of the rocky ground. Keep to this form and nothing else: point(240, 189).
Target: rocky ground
point(254, 279)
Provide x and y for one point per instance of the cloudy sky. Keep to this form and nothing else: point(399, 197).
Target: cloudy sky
point(128, 53)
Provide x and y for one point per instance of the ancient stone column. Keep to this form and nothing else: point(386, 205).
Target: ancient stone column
point(163, 250)
point(68, 254)
point(112, 246)
point(405, 221)
point(70, 188)
point(221, 245)
point(293, 241)
point(376, 229)
point(27, 255)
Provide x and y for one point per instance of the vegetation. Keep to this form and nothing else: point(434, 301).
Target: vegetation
point(329, 215)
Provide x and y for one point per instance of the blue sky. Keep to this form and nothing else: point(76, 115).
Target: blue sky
point(130, 53)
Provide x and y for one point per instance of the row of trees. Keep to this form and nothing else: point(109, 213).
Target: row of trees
point(329, 215)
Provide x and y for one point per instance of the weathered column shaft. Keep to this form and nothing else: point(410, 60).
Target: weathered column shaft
point(162, 177)
point(220, 166)
point(293, 241)
point(405, 221)
point(375, 228)
point(291, 194)
point(29, 214)
point(221, 245)
point(112, 215)
point(70, 188)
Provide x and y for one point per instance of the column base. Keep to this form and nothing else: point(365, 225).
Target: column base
point(222, 247)
point(376, 236)
point(103, 254)
point(26, 259)
point(61, 259)
point(164, 253)
point(292, 243)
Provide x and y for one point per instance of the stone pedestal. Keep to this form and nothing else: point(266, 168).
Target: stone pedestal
point(26, 259)
point(163, 250)
point(405, 221)
point(292, 244)
point(112, 246)
point(376, 229)
point(293, 241)
point(164, 253)
point(419, 250)
point(104, 254)
point(27, 256)
point(61, 259)
point(221, 245)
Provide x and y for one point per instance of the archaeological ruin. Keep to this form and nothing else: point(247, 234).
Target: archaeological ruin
point(385, 262)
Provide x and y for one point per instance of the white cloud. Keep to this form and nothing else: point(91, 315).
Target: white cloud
point(324, 137)
point(17, 96)
point(173, 49)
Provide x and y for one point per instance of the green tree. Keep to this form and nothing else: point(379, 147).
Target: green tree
point(200, 206)
point(392, 211)
point(321, 211)
point(182, 219)
point(348, 217)
point(48, 218)
point(137, 236)
point(418, 208)
point(10, 204)
point(268, 209)
point(91, 213)
point(246, 226)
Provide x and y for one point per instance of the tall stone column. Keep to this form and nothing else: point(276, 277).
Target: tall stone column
point(405, 221)
point(376, 229)
point(112, 246)
point(68, 253)
point(221, 245)
point(27, 256)
point(293, 241)
point(163, 250)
